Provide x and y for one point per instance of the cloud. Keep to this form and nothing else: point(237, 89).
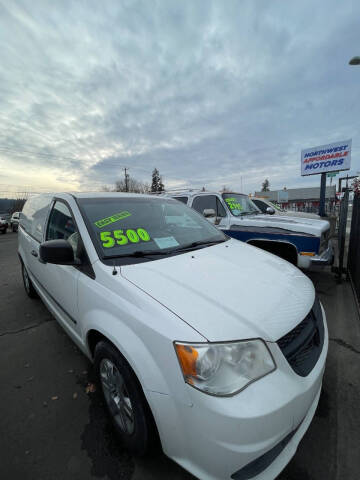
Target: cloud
point(211, 93)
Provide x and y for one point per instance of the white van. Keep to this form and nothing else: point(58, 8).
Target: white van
point(271, 208)
point(214, 345)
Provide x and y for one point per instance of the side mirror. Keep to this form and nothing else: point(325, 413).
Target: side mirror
point(209, 212)
point(270, 210)
point(59, 252)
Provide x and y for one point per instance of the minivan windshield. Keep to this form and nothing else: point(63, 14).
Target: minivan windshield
point(137, 227)
point(240, 204)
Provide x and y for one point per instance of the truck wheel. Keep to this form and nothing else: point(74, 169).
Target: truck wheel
point(124, 398)
point(29, 288)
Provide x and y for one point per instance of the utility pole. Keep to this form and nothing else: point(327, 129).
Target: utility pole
point(126, 179)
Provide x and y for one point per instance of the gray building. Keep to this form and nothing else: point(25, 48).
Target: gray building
point(301, 199)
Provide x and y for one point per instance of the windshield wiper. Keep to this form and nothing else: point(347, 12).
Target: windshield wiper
point(148, 253)
point(139, 253)
point(200, 243)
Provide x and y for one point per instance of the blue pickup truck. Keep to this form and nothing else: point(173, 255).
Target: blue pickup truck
point(301, 241)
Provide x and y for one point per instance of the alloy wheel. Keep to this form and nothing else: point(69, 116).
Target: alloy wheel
point(117, 396)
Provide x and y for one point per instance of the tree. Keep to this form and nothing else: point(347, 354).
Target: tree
point(156, 182)
point(265, 185)
point(356, 186)
point(18, 205)
point(133, 185)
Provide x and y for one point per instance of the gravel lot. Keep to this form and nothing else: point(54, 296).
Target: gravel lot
point(52, 429)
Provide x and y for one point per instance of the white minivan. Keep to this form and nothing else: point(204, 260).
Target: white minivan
point(215, 346)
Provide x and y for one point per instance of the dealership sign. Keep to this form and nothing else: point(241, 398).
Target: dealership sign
point(326, 158)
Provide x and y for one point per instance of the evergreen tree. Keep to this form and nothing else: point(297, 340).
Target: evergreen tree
point(265, 185)
point(157, 183)
point(161, 186)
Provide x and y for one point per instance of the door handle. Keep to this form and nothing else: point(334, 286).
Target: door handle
point(34, 253)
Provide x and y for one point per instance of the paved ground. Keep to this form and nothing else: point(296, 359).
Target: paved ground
point(51, 429)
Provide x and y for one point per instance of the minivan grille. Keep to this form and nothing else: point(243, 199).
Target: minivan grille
point(302, 346)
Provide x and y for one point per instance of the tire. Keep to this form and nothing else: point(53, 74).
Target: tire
point(3, 231)
point(29, 288)
point(125, 399)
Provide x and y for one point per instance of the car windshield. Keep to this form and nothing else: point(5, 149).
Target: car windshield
point(277, 207)
point(240, 204)
point(136, 228)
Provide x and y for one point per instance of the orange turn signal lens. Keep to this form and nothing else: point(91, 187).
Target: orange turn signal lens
point(187, 357)
point(308, 254)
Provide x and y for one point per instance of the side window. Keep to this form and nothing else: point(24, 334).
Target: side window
point(26, 215)
point(220, 211)
point(203, 202)
point(34, 214)
point(209, 201)
point(62, 226)
point(182, 199)
point(260, 205)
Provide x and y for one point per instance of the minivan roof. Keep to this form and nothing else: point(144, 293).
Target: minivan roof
point(96, 194)
point(108, 194)
point(129, 194)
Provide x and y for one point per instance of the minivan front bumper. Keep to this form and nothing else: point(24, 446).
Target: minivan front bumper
point(270, 464)
point(234, 437)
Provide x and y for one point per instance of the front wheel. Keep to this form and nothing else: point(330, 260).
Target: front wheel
point(3, 231)
point(29, 287)
point(124, 399)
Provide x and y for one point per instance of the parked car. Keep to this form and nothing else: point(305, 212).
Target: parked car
point(3, 224)
point(302, 241)
point(271, 208)
point(167, 307)
point(14, 222)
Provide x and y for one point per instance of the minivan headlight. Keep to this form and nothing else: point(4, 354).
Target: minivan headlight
point(224, 369)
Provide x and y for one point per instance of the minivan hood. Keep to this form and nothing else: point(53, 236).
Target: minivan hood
point(294, 224)
point(229, 291)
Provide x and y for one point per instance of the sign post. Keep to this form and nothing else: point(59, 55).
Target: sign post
point(326, 158)
point(322, 195)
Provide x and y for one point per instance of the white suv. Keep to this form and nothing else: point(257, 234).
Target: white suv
point(14, 221)
point(167, 307)
point(271, 208)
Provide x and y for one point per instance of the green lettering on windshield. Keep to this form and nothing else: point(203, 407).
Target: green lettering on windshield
point(233, 204)
point(118, 237)
point(114, 218)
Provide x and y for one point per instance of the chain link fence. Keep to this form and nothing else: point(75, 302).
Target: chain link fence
point(354, 247)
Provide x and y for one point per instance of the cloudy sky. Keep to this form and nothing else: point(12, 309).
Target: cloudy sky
point(210, 92)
